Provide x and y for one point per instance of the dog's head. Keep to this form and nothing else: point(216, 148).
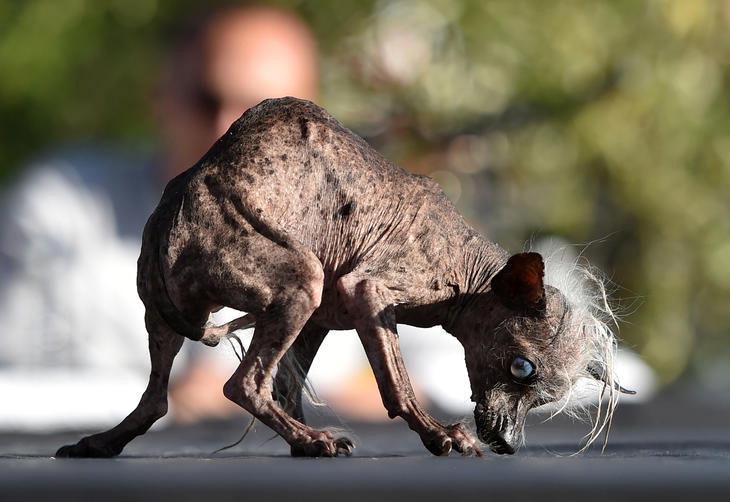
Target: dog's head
point(526, 344)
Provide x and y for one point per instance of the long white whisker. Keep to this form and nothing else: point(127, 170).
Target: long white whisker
point(595, 320)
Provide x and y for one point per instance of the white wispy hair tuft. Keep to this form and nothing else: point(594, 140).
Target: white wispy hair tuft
point(595, 320)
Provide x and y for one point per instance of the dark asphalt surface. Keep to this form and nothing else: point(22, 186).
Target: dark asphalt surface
point(673, 449)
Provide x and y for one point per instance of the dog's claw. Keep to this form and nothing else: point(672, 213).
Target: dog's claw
point(464, 441)
point(345, 446)
point(327, 447)
point(444, 439)
point(440, 445)
point(471, 451)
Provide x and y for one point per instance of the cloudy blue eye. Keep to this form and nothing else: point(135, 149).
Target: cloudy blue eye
point(521, 368)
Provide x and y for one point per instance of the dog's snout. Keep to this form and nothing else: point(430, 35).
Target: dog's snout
point(497, 430)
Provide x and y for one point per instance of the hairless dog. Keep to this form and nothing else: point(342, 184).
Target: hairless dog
point(295, 220)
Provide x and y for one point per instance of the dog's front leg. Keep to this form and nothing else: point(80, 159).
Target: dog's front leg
point(374, 318)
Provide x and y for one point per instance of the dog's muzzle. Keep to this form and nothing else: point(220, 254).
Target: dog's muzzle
point(497, 430)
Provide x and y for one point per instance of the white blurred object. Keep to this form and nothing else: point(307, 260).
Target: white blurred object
point(50, 399)
point(74, 344)
point(634, 374)
point(435, 362)
point(435, 359)
point(340, 357)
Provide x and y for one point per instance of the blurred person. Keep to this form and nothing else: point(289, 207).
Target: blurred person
point(238, 57)
point(74, 343)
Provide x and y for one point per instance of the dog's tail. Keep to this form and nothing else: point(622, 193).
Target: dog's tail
point(209, 334)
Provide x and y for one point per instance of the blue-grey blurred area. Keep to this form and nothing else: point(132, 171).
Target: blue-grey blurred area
point(598, 128)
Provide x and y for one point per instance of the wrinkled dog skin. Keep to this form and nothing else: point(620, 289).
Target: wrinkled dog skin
point(297, 221)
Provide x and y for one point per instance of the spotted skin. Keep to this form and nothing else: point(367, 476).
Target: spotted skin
point(297, 221)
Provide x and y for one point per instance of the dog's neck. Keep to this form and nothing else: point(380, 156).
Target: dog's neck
point(466, 277)
point(478, 262)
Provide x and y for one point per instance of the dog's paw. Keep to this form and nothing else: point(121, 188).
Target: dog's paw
point(323, 447)
point(344, 446)
point(86, 449)
point(464, 441)
point(441, 440)
point(439, 443)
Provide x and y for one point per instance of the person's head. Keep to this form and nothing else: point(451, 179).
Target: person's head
point(229, 61)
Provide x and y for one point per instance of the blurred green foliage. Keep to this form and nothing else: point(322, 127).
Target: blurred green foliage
point(581, 119)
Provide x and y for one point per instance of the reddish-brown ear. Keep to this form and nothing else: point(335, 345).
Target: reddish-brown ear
point(519, 285)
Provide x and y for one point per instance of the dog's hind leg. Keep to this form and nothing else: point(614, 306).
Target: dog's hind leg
point(292, 374)
point(293, 368)
point(277, 327)
point(164, 345)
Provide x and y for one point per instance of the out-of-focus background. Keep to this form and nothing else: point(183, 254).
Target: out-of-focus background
point(600, 124)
